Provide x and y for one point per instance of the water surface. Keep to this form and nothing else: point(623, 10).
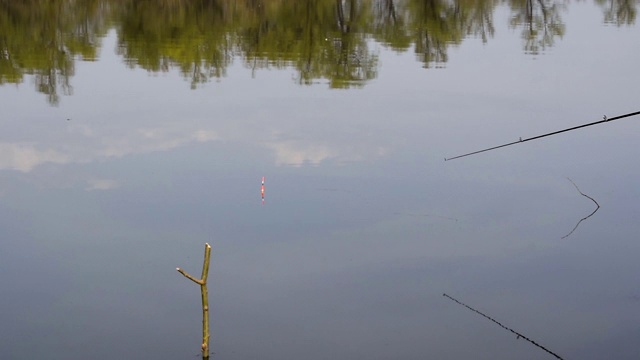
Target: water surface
point(134, 132)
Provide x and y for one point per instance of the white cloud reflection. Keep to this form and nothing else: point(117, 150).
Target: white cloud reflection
point(86, 143)
point(85, 146)
point(25, 157)
point(152, 140)
point(314, 152)
point(297, 154)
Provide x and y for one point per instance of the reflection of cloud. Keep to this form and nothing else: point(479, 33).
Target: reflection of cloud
point(25, 157)
point(84, 144)
point(101, 184)
point(204, 135)
point(298, 153)
point(289, 153)
point(151, 140)
point(88, 147)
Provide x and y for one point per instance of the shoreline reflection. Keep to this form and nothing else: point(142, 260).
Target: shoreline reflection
point(324, 41)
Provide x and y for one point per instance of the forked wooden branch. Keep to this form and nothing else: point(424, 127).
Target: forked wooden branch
point(197, 281)
point(205, 298)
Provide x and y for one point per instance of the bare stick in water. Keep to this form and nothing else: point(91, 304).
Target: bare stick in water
point(205, 298)
point(521, 140)
point(519, 335)
point(586, 217)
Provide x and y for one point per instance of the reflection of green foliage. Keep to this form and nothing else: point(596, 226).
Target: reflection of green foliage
point(433, 29)
point(619, 12)
point(434, 25)
point(478, 17)
point(540, 22)
point(40, 38)
point(320, 38)
point(191, 35)
point(388, 25)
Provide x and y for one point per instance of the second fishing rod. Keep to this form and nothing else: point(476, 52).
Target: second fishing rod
point(521, 140)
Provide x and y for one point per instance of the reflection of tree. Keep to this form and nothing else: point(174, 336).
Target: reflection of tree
point(349, 57)
point(191, 35)
point(433, 30)
point(41, 38)
point(619, 12)
point(320, 38)
point(438, 24)
point(478, 17)
point(389, 25)
point(432, 25)
point(540, 22)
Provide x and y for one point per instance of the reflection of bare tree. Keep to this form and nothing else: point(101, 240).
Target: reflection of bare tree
point(540, 21)
point(619, 12)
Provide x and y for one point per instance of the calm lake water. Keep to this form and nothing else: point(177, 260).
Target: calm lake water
point(132, 132)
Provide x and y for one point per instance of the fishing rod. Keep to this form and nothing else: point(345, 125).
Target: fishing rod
point(519, 335)
point(521, 140)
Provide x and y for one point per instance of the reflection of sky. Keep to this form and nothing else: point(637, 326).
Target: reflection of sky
point(364, 226)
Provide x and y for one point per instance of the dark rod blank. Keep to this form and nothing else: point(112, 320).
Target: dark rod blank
point(521, 140)
point(519, 335)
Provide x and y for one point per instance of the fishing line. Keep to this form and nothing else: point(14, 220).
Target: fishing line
point(586, 217)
